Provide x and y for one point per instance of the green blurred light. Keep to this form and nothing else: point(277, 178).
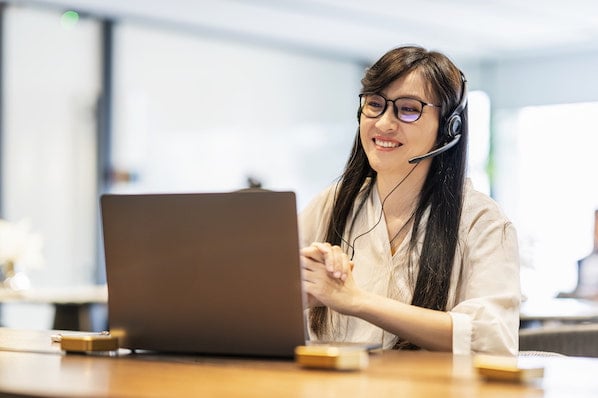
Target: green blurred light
point(69, 19)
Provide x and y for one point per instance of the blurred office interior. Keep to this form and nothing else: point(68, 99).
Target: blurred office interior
point(196, 96)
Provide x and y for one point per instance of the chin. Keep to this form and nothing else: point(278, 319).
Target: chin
point(389, 165)
point(388, 169)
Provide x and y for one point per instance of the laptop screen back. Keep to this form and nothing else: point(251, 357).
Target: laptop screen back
point(214, 273)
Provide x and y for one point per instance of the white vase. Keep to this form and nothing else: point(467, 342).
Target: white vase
point(11, 279)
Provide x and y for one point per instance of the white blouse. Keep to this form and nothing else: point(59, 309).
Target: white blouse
point(484, 294)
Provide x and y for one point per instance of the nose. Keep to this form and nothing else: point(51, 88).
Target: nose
point(387, 121)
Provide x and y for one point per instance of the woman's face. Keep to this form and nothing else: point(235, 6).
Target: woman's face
point(388, 142)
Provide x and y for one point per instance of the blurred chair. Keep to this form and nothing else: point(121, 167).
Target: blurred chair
point(580, 340)
point(540, 354)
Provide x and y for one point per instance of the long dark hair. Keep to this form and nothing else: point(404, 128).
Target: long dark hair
point(442, 192)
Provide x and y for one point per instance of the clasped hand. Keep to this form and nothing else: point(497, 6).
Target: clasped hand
point(327, 277)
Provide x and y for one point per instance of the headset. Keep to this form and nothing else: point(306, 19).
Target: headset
point(453, 126)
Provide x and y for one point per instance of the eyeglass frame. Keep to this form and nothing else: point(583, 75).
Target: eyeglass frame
point(394, 106)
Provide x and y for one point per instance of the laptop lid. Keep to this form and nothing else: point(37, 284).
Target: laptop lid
point(214, 273)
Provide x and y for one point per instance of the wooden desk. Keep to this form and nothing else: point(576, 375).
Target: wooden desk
point(45, 371)
point(72, 305)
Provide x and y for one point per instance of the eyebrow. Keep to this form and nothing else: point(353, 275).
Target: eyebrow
point(410, 95)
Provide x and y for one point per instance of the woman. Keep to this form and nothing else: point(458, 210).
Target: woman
point(405, 252)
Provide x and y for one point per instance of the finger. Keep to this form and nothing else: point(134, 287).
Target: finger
point(312, 270)
point(349, 269)
point(336, 260)
point(325, 250)
point(309, 264)
point(324, 247)
point(313, 253)
point(318, 250)
point(342, 263)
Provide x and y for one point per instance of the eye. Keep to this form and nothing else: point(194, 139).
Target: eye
point(374, 102)
point(408, 107)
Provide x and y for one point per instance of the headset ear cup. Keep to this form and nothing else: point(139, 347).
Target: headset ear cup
point(454, 126)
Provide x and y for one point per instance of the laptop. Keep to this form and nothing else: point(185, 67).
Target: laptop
point(207, 273)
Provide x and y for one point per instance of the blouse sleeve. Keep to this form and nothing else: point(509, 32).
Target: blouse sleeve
point(486, 314)
point(314, 218)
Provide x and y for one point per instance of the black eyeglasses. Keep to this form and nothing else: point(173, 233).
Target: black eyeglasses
point(406, 109)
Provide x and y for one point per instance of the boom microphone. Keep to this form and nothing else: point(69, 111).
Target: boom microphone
point(438, 151)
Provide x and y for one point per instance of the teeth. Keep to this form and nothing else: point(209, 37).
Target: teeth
point(385, 144)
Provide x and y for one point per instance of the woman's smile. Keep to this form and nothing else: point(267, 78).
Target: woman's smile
point(386, 144)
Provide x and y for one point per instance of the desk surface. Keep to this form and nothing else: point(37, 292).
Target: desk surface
point(31, 365)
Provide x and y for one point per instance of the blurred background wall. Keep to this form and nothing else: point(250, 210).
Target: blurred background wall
point(179, 96)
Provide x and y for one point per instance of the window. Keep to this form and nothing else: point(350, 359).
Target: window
point(49, 152)
point(546, 166)
point(479, 140)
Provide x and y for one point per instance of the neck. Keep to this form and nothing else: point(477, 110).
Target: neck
point(402, 198)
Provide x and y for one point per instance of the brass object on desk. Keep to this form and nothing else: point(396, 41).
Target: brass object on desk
point(495, 368)
point(88, 343)
point(330, 357)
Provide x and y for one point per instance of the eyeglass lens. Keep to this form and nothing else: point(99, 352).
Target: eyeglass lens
point(405, 109)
